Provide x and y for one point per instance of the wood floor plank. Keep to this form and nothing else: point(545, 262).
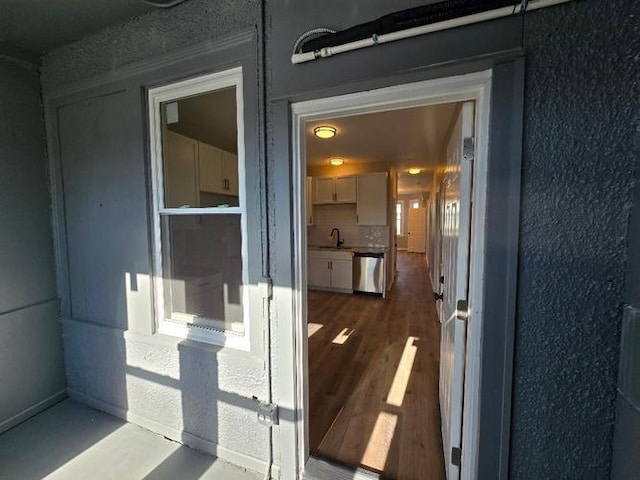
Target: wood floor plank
point(373, 377)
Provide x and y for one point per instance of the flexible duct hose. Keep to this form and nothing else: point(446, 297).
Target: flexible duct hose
point(163, 3)
point(308, 34)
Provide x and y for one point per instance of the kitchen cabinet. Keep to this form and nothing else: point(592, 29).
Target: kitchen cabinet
point(180, 171)
point(309, 201)
point(218, 170)
point(328, 190)
point(330, 270)
point(372, 207)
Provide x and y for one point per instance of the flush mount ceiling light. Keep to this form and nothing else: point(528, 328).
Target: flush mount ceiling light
point(336, 162)
point(324, 131)
point(414, 171)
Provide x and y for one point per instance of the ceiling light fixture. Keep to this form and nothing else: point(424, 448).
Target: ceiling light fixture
point(336, 162)
point(414, 171)
point(324, 131)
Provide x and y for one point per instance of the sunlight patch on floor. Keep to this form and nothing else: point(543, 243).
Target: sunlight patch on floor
point(343, 336)
point(403, 373)
point(375, 455)
point(313, 328)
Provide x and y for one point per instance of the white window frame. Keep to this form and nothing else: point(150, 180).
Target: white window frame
point(156, 97)
point(400, 231)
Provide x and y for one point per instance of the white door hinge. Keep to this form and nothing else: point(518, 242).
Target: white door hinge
point(467, 148)
point(462, 310)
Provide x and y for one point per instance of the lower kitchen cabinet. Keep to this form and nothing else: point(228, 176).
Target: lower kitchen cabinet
point(341, 274)
point(330, 270)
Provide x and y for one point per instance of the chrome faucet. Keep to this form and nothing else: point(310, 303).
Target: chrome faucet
point(338, 241)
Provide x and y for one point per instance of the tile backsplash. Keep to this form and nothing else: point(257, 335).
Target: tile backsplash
point(343, 217)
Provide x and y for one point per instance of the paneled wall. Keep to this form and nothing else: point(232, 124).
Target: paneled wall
point(31, 359)
point(95, 90)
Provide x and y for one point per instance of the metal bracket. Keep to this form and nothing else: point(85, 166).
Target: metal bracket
point(467, 148)
point(267, 413)
point(462, 310)
point(456, 456)
point(266, 288)
point(266, 292)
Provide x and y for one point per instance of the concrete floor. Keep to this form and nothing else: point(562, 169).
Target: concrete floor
point(73, 441)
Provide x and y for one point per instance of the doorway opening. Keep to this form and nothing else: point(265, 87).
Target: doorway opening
point(372, 387)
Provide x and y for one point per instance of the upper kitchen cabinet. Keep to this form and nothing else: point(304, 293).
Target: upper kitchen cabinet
point(181, 171)
point(334, 190)
point(218, 170)
point(372, 206)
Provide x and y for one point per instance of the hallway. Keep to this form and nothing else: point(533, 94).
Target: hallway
point(373, 377)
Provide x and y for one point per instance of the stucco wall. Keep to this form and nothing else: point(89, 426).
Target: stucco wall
point(576, 184)
point(577, 181)
point(147, 36)
point(31, 366)
point(627, 429)
point(192, 392)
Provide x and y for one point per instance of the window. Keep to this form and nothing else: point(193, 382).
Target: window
point(399, 219)
point(199, 208)
point(415, 203)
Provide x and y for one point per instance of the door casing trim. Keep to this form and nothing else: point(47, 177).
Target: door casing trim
point(473, 86)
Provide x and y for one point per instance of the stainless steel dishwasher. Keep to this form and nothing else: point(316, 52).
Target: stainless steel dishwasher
point(368, 272)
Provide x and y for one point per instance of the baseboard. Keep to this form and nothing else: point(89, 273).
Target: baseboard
point(179, 436)
point(32, 411)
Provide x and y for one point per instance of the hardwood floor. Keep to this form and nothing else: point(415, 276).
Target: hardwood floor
point(373, 377)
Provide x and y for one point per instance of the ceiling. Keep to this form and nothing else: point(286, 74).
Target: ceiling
point(411, 137)
point(210, 118)
point(42, 25)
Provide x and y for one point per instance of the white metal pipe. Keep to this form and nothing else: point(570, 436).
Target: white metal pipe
point(423, 29)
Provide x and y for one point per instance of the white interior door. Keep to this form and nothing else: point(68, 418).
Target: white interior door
point(416, 233)
point(456, 221)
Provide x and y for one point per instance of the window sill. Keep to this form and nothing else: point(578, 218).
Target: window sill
point(185, 331)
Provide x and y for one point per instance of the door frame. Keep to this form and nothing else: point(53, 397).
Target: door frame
point(473, 86)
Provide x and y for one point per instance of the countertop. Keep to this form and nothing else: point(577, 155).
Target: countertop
point(348, 248)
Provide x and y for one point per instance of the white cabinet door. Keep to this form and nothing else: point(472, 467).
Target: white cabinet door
point(345, 189)
point(334, 189)
point(180, 171)
point(210, 159)
point(318, 273)
point(323, 190)
point(230, 173)
point(372, 199)
point(309, 201)
point(342, 274)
